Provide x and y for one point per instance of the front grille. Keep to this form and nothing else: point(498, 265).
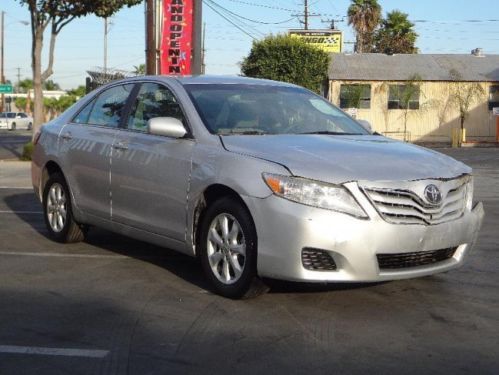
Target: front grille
point(408, 260)
point(317, 260)
point(404, 206)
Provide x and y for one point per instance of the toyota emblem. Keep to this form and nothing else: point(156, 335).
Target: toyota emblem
point(433, 194)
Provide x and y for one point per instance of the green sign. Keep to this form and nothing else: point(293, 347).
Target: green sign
point(6, 89)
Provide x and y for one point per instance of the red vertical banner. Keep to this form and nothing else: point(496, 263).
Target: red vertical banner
point(176, 38)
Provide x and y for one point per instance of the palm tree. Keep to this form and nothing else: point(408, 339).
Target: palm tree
point(364, 16)
point(50, 85)
point(139, 70)
point(25, 85)
point(396, 35)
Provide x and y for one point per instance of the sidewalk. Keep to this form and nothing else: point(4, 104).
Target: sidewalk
point(15, 174)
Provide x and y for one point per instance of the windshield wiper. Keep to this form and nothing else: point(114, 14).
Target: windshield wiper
point(327, 132)
point(244, 132)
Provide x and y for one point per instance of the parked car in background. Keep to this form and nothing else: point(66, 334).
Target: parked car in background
point(257, 178)
point(15, 120)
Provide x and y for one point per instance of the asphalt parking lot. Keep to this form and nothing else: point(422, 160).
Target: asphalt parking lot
point(12, 143)
point(112, 305)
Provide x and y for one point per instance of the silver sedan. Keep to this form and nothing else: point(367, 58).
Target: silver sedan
point(259, 179)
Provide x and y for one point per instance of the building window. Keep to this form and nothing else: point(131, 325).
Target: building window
point(493, 96)
point(403, 96)
point(355, 96)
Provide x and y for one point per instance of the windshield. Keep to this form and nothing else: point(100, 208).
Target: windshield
point(228, 109)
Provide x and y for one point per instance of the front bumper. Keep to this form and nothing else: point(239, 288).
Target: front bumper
point(284, 228)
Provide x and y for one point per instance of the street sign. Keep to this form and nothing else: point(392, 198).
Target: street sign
point(6, 89)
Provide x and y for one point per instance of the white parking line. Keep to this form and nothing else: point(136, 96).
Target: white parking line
point(62, 255)
point(20, 212)
point(13, 349)
point(17, 187)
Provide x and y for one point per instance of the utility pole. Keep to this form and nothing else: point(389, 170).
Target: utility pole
point(2, 104)
point(197, 53)
point(150, 37)
point(105, 47)
point(305, 14)
point(18, 78)
point(203, 51)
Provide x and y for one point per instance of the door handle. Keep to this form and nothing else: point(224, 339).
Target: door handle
point(67, 136)
point(120, 146)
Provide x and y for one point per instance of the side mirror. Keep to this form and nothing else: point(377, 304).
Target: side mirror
point(166, 126)
point(366, 125)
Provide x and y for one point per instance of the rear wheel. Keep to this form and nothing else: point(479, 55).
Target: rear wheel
point(30, 126)
point(228, 250)
point(58, 212)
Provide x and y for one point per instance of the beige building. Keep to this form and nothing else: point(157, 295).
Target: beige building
point(416, 96)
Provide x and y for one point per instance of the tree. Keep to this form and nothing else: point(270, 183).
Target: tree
point(289, 59)
point(364, 16)
point(25, 85)
point(57, 14)
point(139, 70)
point(50, 85)
point(406, 97)
point(21, 104)
point(463, 95)
point(79, 92)
point(396, 35)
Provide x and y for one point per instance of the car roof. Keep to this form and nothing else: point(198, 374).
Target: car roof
point(210, 79)
point(228, 80)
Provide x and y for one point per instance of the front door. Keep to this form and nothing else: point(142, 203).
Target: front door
point(150, 173)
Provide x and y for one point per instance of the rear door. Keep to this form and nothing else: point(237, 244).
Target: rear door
point(150, 173)
point(86, 148)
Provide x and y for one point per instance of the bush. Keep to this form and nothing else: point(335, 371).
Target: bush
point(27, 151)
point(288, 59)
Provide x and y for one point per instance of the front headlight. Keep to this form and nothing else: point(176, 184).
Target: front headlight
point(469, 194)
point(314, 193)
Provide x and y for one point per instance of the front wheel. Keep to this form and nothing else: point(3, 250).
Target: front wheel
point(228, 250)
point(58, 212)
point(13, 126)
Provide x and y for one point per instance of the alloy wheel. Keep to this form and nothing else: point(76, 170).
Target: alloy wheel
point(226, 248)
point(56, 208)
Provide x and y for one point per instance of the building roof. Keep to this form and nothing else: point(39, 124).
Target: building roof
point(381, 67)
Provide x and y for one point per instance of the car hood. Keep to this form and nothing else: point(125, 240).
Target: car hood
point(342, 158)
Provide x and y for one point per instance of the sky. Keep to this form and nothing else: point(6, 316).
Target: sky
point(444, 26)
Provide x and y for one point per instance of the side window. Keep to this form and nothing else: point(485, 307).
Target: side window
point(22, 115)
point(109, 106)
point(153, 100)
point(82, 116)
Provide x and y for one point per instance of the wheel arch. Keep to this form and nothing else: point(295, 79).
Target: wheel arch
point(211, 194)
point(50, 168)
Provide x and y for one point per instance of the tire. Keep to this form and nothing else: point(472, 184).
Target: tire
point(30, 126)
point(13, 126)
point(58, 213)
point(228, 256)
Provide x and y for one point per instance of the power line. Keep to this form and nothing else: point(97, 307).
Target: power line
point(263, 6)
point(207, 3)
point(235, 18)
point(255, 21)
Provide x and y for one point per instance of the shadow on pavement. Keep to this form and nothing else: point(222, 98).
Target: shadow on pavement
point(183, 266)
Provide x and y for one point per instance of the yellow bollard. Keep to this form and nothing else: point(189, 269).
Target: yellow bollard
point(455, 138)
